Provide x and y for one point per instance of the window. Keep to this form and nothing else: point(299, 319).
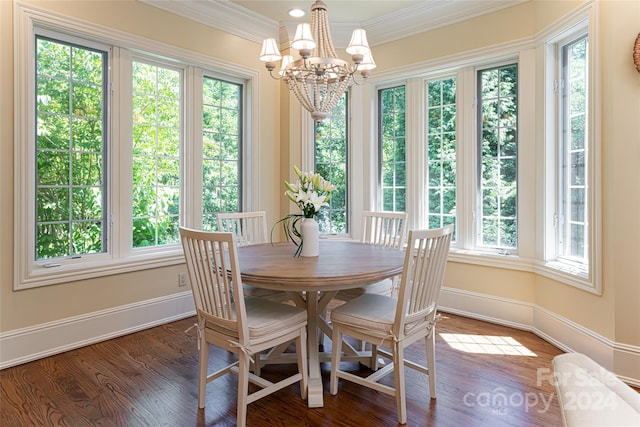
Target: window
point(498, 148)
point(441, 152)
point(573, 196)
point(71, 205)
point(572, 214)
point(392, 148)
point(156, 100)
point(450, 140)
point(221, 154)
point(331, 161)
point(117, 145)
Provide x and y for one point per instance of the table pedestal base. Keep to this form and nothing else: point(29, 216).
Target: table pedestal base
point(315, 393)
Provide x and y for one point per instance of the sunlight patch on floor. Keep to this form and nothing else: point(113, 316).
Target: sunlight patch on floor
point(487, 344)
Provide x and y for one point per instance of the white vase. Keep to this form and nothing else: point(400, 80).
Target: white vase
point(310, 237)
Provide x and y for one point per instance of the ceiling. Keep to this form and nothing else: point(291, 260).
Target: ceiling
point(384, 20)
point(343, 11)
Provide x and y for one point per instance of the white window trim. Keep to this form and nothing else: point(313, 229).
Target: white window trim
point(532, 233)
point(583, 20)
point(464, 68)
point(30, 274)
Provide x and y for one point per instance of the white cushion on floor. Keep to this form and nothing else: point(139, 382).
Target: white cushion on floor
point(592, 396)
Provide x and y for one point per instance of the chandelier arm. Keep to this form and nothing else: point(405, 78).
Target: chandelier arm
point(278, 77)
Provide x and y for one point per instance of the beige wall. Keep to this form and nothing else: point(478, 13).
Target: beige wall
point(615, 315)
point(47, 304)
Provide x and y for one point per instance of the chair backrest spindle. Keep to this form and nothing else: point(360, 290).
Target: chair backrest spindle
point(424, 266)
point(250, 228)
point(384, 228)
point(214, 274)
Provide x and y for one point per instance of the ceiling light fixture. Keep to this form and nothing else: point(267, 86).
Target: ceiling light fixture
point(296, 13)
point(318, 78)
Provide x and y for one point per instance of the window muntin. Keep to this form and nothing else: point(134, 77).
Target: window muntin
point(573, 219)
point(221, 151)
point(331, 161)
point(118, 254)
point(441, 152)
point(156, 101)
point(392, 148)
point(498, 159)
point(71, 111)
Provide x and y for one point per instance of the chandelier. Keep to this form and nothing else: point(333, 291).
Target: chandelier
point(318, 78)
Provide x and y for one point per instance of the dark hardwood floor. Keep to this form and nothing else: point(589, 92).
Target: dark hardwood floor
point(487, 375)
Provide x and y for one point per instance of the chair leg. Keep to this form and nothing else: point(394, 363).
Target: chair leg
point(398, 367)
point(243, 388)
point(203, 371)
point(431, 361)
point(374, 357)
point(255, 367)
point(301, 351)
point(336, 353)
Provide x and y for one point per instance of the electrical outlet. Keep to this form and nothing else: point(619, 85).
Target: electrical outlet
point(182, 279)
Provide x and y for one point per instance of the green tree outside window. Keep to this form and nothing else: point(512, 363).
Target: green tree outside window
point(498, 131)
point(331, 142)
point(156, 154)
point(392, 142)
point(441, 152)
point(70, 145)
point(221, 149)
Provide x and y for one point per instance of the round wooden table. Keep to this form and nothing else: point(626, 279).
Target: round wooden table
point(313, 282)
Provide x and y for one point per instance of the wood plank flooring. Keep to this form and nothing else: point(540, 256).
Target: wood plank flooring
point(487, 375)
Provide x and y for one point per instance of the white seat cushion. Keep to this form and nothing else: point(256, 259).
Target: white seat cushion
point(263, 318)
point(369, 311)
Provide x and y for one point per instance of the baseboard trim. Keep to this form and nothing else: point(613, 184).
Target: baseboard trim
point(39, 341)
point(43, 340)
point(565, 334)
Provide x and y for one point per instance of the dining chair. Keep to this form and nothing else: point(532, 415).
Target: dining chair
point(397, 323)
point(250, 228)
point(241, 325)
point(387, 229)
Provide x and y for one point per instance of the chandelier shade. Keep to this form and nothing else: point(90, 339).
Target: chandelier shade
point(270, 51)
point(318, 79)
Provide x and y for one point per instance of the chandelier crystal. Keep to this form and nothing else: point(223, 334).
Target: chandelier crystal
point(318, 78)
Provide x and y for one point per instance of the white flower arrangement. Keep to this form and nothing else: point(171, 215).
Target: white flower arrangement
point(310, 192)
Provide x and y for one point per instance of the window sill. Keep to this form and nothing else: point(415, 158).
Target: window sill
point(511, 262)
point(569, 275)
point(87, 269)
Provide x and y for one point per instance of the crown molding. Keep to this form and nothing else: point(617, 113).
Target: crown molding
point(222, 15)
point(237, 20)
point(426, 16)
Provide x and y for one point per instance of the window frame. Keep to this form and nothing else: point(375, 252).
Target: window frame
point(380, 149)
point(120, 257)
point(587, 277)
point(348, 175)
point(478, 243)
point(106, 51)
